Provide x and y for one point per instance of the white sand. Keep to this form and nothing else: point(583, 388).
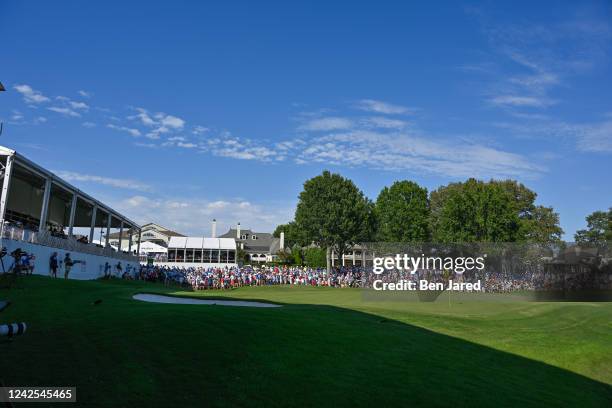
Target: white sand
point(145, 297)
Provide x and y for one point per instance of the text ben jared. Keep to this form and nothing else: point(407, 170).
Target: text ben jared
point(426, 273)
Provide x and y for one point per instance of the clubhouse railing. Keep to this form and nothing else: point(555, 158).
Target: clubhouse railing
point(69, 244)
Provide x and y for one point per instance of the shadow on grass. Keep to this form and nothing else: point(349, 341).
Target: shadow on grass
point(128, 353)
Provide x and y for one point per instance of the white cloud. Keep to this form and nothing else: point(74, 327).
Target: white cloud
point(198, 130)
point(124, 183)
point(595, 137)
point(78, 105)
point(160, 122)
point(371, 105)
point(88, 124)
point(170, 121)
point(522, 101)
point(329, 123)
point(131, 131)
point(384, 123)
point(193, 216)
point(64, 111)
point(144, 117)
point(84, 94)
point(30, 95)
point(404, 152)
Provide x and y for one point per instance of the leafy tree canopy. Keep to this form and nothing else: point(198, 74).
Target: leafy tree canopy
point(494, 211)
point(333, 213)
point(599, 228)
point(402, 213)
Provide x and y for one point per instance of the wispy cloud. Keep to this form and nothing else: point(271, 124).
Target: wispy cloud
point(107, 181)
point(537, 58)
point(30, 95)
point(64, 111)
point(84, 94)
point(199, 130)
point(132, 131)
point(595, 137)
point(371, 105)
point(328, 123)
point(160, 123)
point(521, 101)
point(405, 152)
point(384, 122)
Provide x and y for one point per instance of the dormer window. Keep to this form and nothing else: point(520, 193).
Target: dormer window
point(244, 236)
point(254, 237)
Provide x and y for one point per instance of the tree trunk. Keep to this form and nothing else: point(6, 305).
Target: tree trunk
point(328, 256)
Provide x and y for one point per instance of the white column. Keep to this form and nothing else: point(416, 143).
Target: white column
point(333, 262)
point(108, 227)
point(92, 228)
point(8, 171)
point(138, 246)
point(120, 235)
point(72, 213)
point(353, 256)
point(130, 239)
point(45, 206)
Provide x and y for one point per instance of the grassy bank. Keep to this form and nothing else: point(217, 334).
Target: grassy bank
point(324, 347)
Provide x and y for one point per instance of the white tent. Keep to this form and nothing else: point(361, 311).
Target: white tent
point(148, 247)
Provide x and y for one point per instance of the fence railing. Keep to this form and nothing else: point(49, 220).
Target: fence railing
point(69, 244)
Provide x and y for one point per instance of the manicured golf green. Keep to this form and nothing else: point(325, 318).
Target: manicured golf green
point(324, 347)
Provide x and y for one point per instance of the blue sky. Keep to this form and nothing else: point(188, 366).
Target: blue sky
point(181, 112)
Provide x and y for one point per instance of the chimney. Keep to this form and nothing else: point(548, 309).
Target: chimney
point(282, 241)
point(213, 232)
point(238, 231)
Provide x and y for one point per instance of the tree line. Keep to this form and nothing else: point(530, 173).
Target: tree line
point(333, 213)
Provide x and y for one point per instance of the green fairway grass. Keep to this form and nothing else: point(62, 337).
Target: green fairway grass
point(324, 347)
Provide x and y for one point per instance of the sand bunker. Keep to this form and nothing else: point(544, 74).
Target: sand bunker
point(146, 297)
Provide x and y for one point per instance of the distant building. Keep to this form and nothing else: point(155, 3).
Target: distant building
point(258, 246)
point(151, 232)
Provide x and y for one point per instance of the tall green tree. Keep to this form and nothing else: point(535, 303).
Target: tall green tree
point(293, 235)
point(333, 213)
point(599, 228)
point(493, 211)
point(542, 226)
point(474, 211)
point(402, 213)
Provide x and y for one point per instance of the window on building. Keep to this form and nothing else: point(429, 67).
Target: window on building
point(197, 255)
point(189, 255)
point(254, 237)
point(172, 255)
point(231, 257)
point(206, 256)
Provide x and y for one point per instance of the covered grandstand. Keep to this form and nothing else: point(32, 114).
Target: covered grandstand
point(40, 213)
point(201, 252)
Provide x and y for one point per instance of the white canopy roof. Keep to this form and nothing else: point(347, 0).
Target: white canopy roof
point(201, 242)
point(151, 247)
